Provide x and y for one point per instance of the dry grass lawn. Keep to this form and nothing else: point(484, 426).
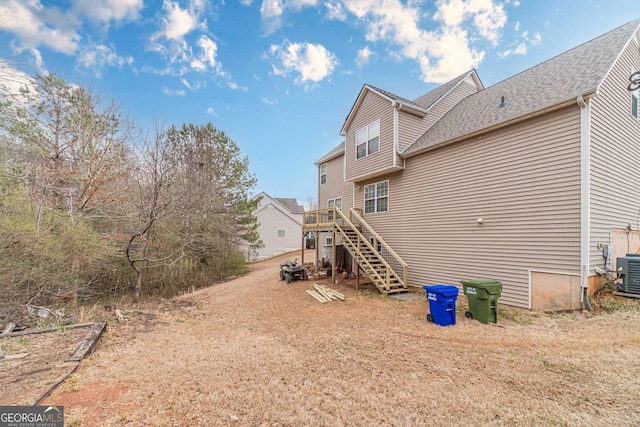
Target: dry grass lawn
point(258, 352)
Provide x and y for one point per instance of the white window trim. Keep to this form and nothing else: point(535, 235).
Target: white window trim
point(324, 165)
point(328, 241)
point(366, 143)
point(364, 195)
point(334, 202)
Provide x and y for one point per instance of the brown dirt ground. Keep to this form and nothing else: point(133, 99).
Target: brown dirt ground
point(258, 352)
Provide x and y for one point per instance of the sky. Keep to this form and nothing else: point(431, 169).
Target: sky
point(279, 77)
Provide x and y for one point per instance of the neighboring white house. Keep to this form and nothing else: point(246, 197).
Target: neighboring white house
point(280, 226)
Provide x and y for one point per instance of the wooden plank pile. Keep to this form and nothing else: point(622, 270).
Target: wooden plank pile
point(324, 294)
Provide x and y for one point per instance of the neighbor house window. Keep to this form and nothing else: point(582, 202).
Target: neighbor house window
point(376, 197)
point(368, 140)
point(280, 233)
point(323, 173)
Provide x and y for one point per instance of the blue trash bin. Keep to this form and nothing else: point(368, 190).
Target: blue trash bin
point(442, 304)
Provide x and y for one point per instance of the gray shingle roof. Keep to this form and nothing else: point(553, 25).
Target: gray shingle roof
point(338, 150)
point(563, 78)
point(428, 99)
point(394, 97)
point(291, 204)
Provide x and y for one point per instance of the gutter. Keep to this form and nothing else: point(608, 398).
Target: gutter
point(396, 143)
point(585, 197)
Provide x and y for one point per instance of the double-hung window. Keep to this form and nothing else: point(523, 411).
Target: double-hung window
point(376, 197)
point(368, 140)
point(337, 202)
point(323, 173)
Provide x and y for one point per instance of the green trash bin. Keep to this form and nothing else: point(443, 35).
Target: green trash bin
point(483, 299)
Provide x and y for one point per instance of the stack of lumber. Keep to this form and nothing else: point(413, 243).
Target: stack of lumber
point(324, 294)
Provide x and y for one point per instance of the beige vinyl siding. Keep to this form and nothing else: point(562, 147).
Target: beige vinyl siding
point(411, 127)
point(615, 156)
point(523, 180)
point(336, 186)
point(372, 108)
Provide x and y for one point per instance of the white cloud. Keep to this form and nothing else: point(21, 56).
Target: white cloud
point(488, 17)
point(177, 22)
point(212, 112)
point(167, 91)
point(362, 58)
point(443, 51)
point(271, 13)
point(98, 56)
point(35, 25)
point(335, 11)
point(521, 46)
point(107, 10)
point(269, 101)
point(298, 5)
point(12, 80)
point(312, 62)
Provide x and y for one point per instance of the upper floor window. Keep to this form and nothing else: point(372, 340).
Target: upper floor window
point(281, 233)
point(368, 140)
point(376, 197)
point(323, 173)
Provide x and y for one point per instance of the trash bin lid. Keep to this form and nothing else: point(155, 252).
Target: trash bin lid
point(443, 290)
point(492, 286)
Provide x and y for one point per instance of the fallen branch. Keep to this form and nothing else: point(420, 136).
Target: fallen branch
point(42, 331)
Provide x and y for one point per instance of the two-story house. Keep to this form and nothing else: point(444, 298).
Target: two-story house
point(534, 181)
point(280, 225)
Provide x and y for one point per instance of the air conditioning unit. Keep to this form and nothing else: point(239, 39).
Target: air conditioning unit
point(628, 269)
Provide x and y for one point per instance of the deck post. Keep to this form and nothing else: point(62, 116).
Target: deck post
point(333, 258)
point(303, 247)
point(317, 263)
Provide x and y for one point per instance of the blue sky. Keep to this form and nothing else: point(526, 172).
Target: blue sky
point(280, 76)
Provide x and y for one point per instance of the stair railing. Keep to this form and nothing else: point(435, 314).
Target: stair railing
point(361, 239)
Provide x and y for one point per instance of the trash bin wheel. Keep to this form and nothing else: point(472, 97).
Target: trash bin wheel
point(429, 318)
point(468, 315)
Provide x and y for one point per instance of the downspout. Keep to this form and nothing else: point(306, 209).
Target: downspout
point(585, 198)
point(395, 106)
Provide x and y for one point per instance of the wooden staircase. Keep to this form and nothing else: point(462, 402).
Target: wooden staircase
point(374, 256)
